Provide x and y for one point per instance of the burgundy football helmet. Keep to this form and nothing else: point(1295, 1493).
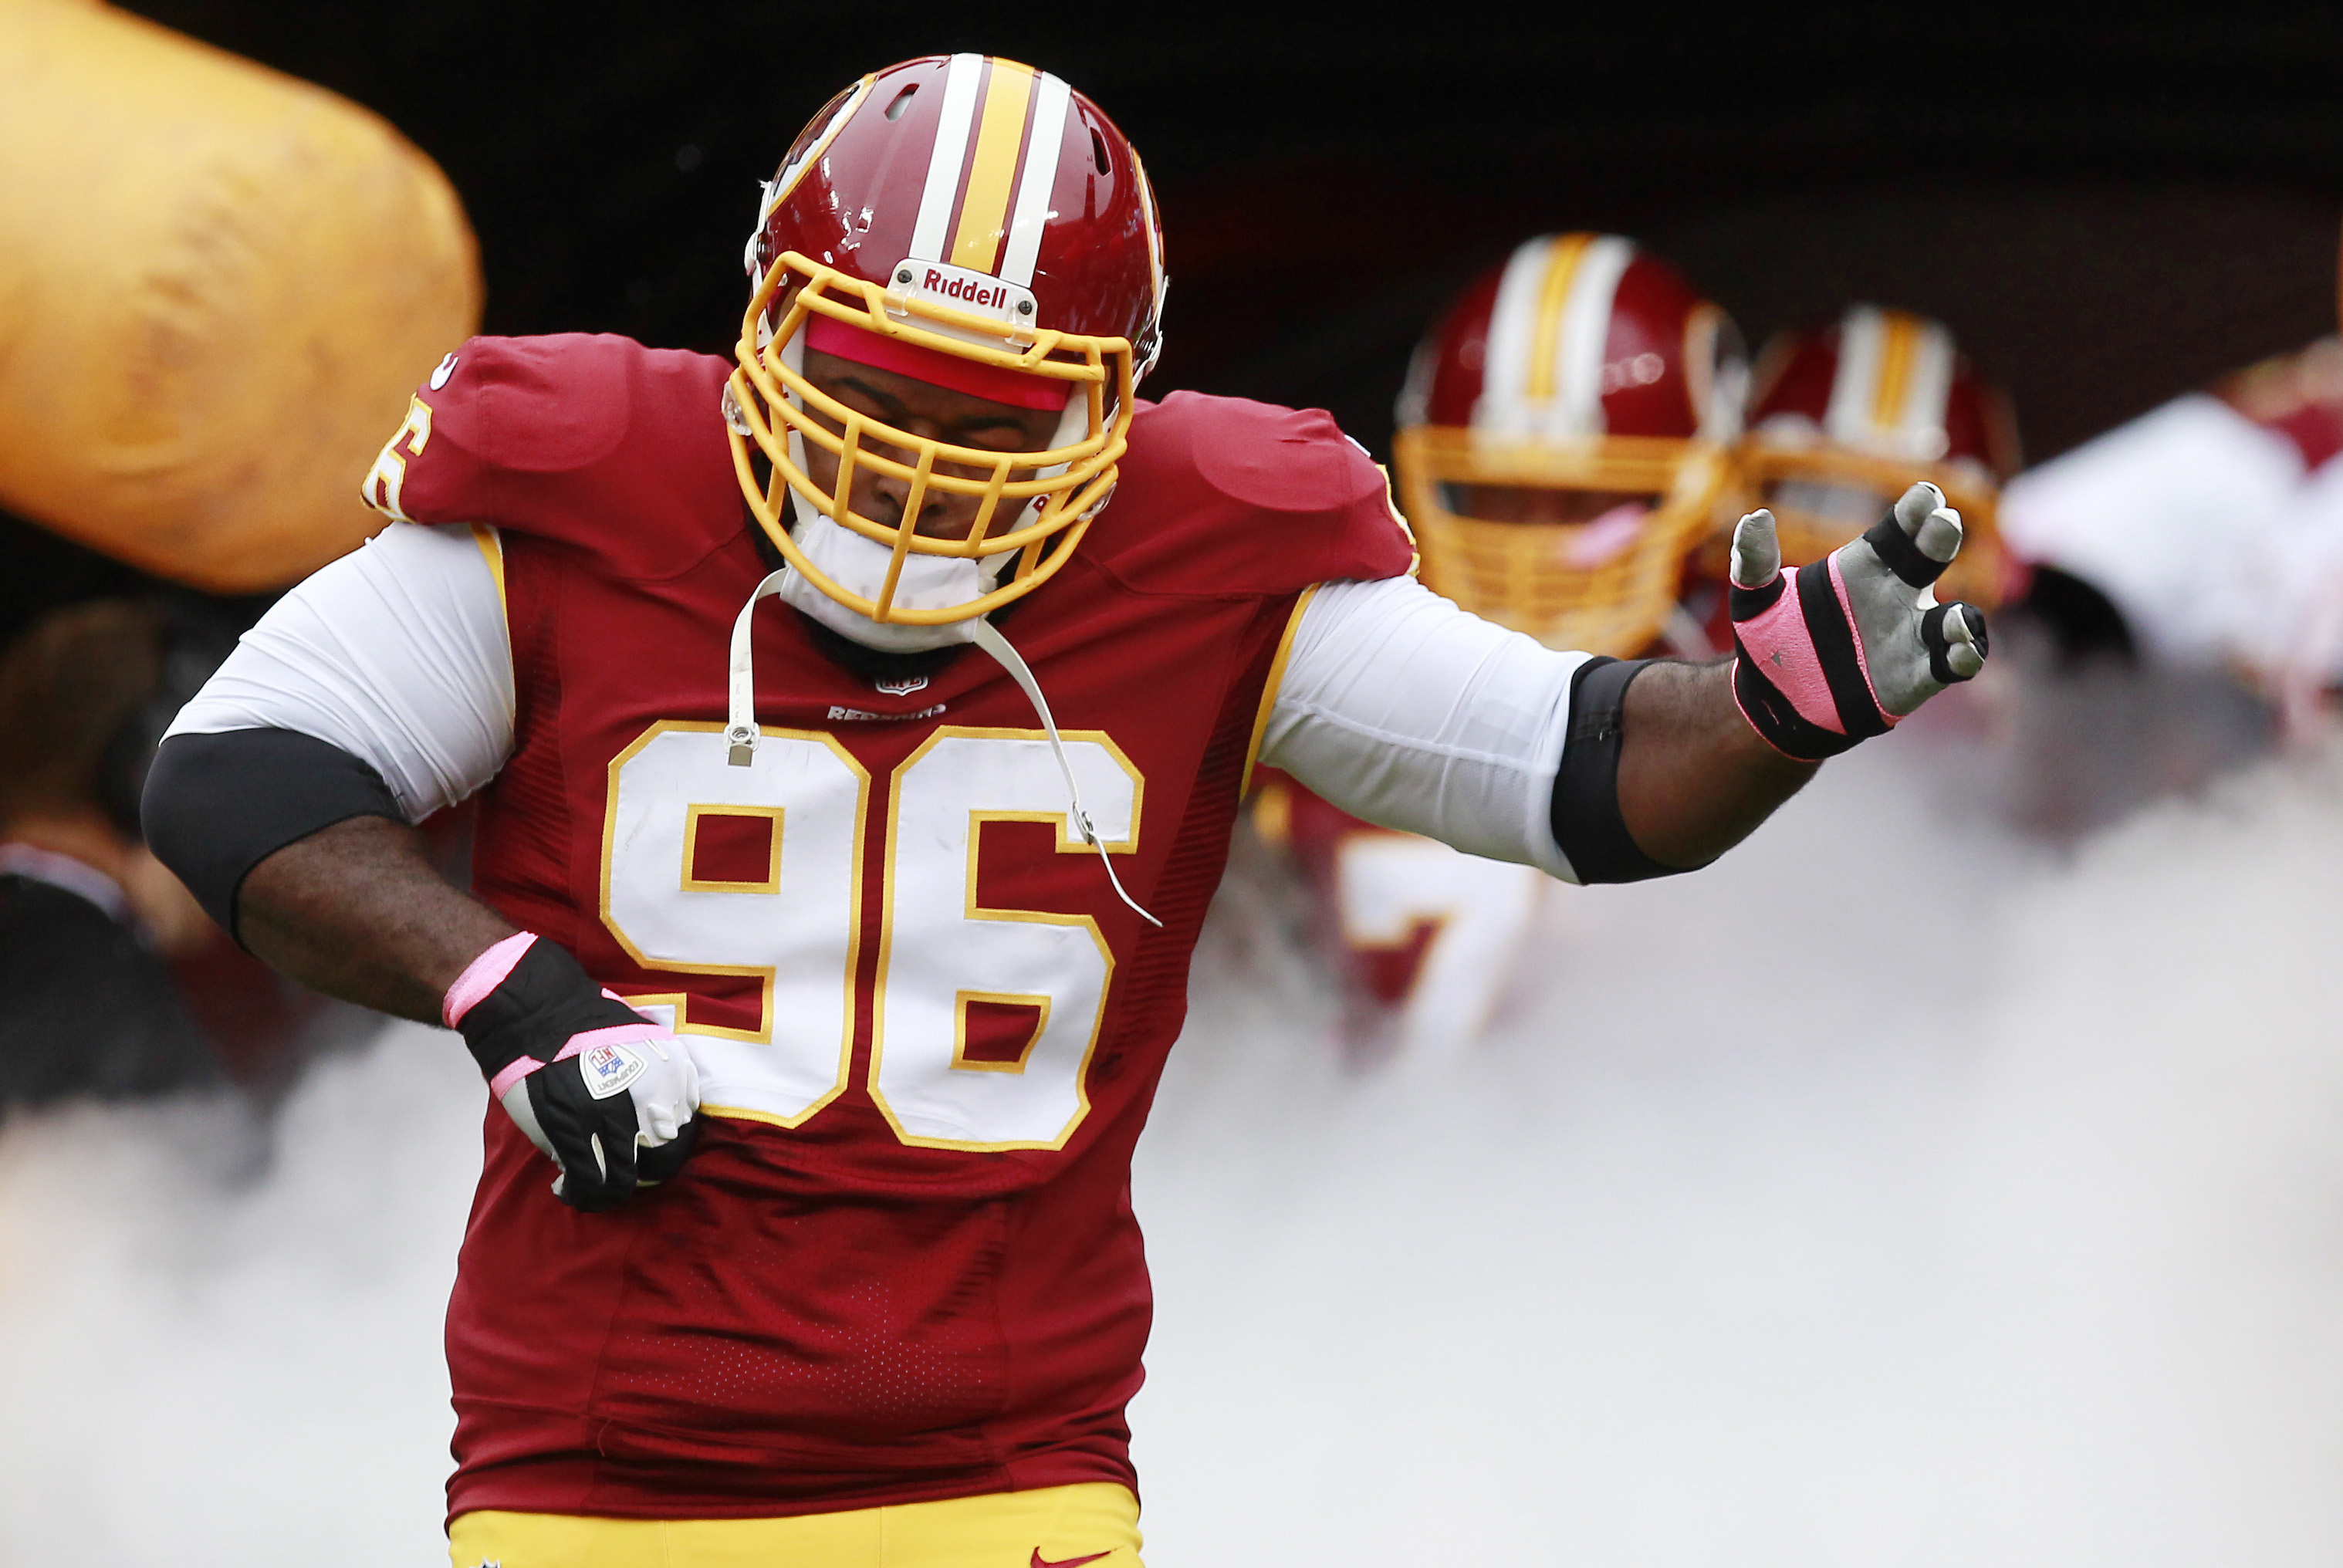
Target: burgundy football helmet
point(1847, 416)
point(1563, 440)
point(976, 224)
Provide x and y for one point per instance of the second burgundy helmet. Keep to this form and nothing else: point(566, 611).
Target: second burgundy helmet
point(1563, 440)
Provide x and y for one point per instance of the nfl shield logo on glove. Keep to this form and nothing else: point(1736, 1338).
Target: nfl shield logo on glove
point(610, 1068)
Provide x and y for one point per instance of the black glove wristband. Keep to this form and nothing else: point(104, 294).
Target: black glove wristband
point(1771, 715)
point(533, 1011)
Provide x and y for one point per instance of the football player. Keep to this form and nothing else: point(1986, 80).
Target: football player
point(2208, 529)
point(1563, 441)
point(860, 725)
point(1844, 416)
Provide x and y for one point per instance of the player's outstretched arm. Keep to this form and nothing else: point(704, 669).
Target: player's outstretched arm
point(1824, 658)
point(1403, 709)
point(1695, 779)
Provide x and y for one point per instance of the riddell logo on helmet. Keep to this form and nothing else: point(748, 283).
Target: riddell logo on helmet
point(978, 293)
point(966, 290)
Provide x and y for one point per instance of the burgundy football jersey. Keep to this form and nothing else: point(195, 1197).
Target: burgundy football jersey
point(902, 1264)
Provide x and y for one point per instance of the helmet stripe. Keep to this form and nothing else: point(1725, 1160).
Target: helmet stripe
point(1584, 340)
point(1887, 393)
point(1854, 388)
point(1925, 407)
point(1043, 150)
point(984, 210)
point(1893, 377)
point(1553, 293)
point(1549, 329)
point(1503, 406)
point(961, 78)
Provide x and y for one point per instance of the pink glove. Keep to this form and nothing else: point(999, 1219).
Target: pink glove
point(1849, 645)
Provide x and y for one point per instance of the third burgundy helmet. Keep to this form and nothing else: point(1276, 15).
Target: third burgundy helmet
point(1846, 416)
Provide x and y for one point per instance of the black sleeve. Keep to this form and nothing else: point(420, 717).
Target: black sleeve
point(1593, 834)
point(218, 805)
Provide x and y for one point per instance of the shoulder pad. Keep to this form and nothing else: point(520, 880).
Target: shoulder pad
point(1226, 495)
point(591, 440)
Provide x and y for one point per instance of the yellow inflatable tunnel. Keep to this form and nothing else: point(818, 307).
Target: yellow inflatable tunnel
point(219, 285)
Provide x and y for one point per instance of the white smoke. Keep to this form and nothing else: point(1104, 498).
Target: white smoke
point(206, 1362)
point(1883, 1195)
point(1892, 1193)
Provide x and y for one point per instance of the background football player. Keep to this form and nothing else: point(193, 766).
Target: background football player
point(2213, 524)
point(1563, 440)
point(1842, 417)
point(878, 902)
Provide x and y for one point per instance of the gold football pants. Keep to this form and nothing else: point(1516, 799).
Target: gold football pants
point(1095, 1524)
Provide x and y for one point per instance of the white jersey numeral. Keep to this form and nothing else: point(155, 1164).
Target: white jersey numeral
point(388, 478)
point(794, 929)
point(943, 954)
point(1389, 885)
point(985, 1018)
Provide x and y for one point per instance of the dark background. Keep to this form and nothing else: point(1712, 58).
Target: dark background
point(2105, 215)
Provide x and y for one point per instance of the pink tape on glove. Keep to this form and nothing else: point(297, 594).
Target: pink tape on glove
point(483, 975)
point(1777, 641)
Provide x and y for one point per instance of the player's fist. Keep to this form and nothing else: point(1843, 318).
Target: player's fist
point(1843, 648)
point(609, 1096)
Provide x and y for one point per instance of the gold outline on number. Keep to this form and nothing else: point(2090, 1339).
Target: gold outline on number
point(1068, 842)
point(670, 999)
point(763, 1035)
point(1269, 687)
point(386, 483)
point(775, 814)
point(1010, 999)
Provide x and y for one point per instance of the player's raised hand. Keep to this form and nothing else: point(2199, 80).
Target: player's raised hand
point(606, 1093)
point(1843, 648)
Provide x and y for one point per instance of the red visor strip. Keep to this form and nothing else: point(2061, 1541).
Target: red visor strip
point(935, 366)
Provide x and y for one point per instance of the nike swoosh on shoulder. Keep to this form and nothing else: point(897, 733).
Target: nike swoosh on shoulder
point(1041, 1561)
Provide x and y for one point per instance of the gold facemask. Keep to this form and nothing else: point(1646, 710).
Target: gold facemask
point(1563, 583)
point(1823, 497)
point(1025, 499)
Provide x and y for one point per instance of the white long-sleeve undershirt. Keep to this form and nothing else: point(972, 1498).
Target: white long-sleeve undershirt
point(1395, 705)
